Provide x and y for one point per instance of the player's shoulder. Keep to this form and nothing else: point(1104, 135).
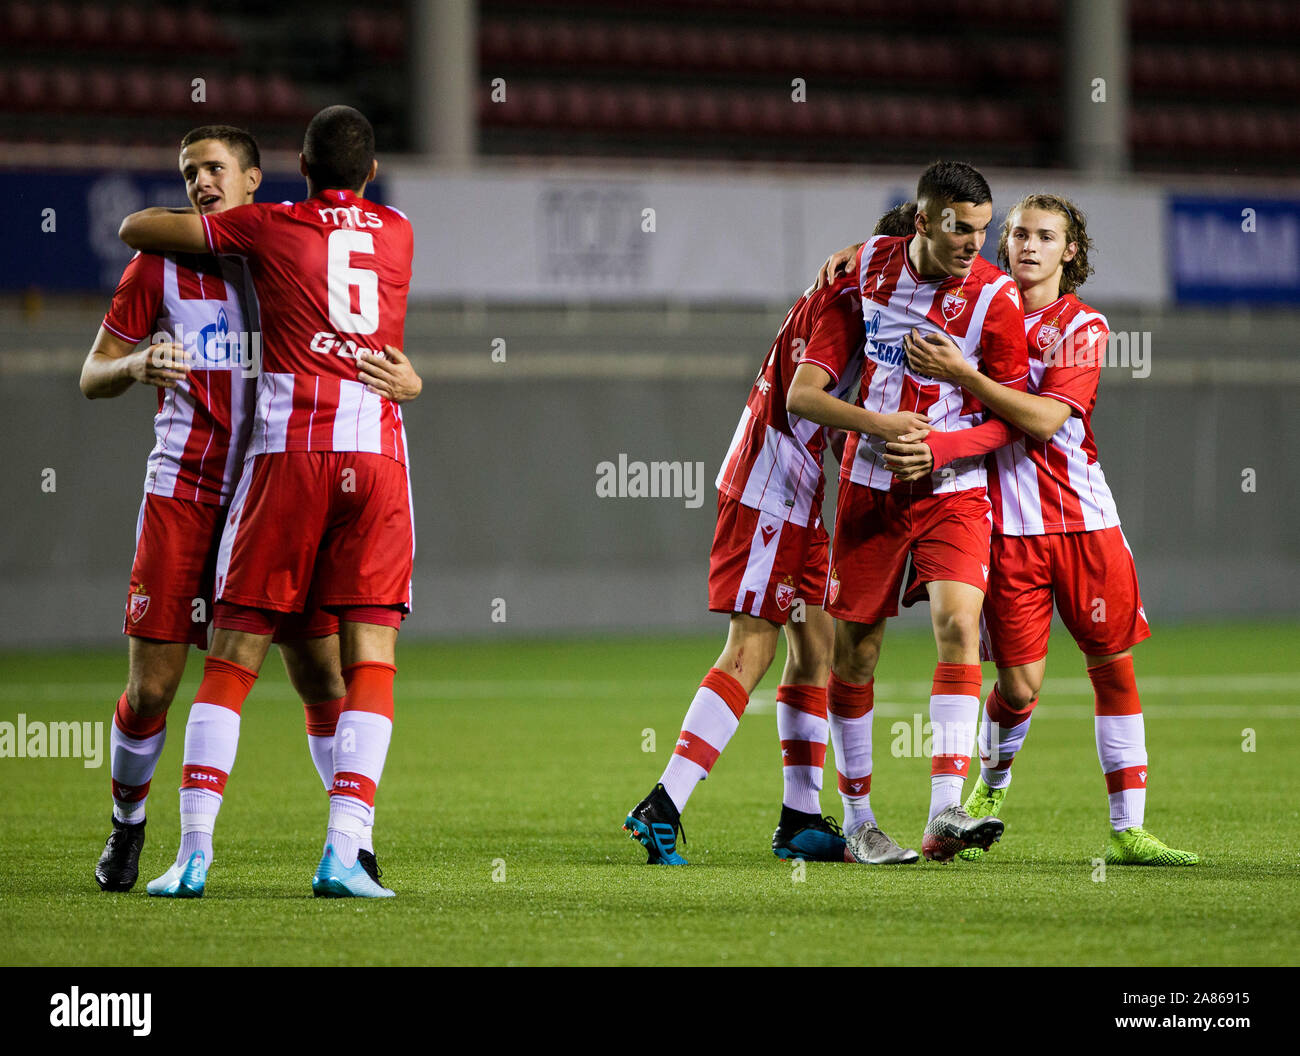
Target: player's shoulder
point(1078, 313)
point(843, 291)
point(984, 273)
point(883, 243)
point(147, 266)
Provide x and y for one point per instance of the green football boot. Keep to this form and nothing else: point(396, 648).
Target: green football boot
point(983, 802)
point(1136, 846)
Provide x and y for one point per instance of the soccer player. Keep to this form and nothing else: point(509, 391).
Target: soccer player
point(938, 526)
point(201, 361)
point(1056, 531)
point(768, 564)
point(322, 509)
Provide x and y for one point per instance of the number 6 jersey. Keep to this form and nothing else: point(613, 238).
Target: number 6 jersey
point(337, 269)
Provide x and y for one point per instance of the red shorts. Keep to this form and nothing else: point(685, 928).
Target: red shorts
point(170, 600)
point(946, 536)
point(761, 564)
point(332, 526)
point(1091, 577)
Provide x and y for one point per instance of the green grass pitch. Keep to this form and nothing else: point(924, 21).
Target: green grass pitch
point(513, 765)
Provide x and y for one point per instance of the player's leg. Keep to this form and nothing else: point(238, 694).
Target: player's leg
point(868, 559)
point(136, 740)
point(1100, 602)
point(750, 565)
point(850, 708)
point(362, 574)
point(239, 646)
point(950, 566)
point(316, 675)
point(167, 610)
point(710, 721)
point(1004, 726)
point(312, 663)
point(850, 704)
point(367, 647)
point(1017, 626)
point(802, 727)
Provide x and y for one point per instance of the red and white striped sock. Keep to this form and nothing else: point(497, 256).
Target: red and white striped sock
point(954, 716)
point(322, 718)
point(802, 727)
point(211, 740)
point(1121, 741)
point(1002, 734)
point(710, 722)
point(850, 708)
point(134, 745)
point(361, 739)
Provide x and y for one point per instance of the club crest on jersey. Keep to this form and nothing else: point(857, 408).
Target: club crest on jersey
point(137, 606)
point(954, 303)
point(784, 595)
point(1047, 335)
point(833, 587)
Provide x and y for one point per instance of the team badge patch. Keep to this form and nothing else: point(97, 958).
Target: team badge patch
point(784, 596)
point(1047, 335)
point(833, 588)
point(137, 607)
point(954, 304)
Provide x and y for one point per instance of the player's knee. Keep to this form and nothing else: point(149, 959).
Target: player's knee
point(1019, 693)
point(150, 697)
point(957, 630)
point(315, 687)
point(856, 664)
point(807, 671)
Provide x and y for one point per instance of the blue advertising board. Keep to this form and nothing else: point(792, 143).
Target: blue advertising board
point(61, 226)
point(1242, 250)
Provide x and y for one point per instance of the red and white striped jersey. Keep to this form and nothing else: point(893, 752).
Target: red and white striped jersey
point(202, 424)
point(981, 313)
point(774, 463)
point(1057, 486)
point(337, 268)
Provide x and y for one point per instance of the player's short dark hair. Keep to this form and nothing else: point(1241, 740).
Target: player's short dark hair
point(339, 148)
point(900, 221)
point(1074, 273)
point(952, 181)
point(241, 143)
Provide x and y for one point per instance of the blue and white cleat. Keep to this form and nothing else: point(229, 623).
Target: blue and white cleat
point(334, 881)
point(182, 881)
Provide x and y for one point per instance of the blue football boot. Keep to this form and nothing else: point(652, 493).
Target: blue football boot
point(808, 836)
point(334, 881)
point(182, 881)
point(654, 823)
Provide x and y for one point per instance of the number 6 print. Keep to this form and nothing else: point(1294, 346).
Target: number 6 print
point(342, 277)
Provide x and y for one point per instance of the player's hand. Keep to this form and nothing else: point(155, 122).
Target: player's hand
point(390, 375)
point(902, 424)
point(934, 355)
point(845, 262)
point(163, 364)
point(909, 461)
